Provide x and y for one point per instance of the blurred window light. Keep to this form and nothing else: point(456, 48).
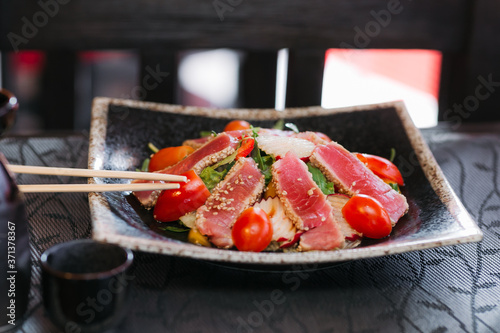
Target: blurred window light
point(211, 76)
point(357, 77)
point(281, 77)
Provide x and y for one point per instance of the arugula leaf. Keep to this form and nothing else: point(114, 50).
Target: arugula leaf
point(395, 187)
point(144, 166)
point(174, 228)
point(227, 160)
point(145, 163)
point(204, 134)
point(267, 161)
point(264, 162)
point(212, 177)
point(214, 174)
point(320, 179)
point(393, 155)
point(255, 131)
point(280, 124)
point(153, 148)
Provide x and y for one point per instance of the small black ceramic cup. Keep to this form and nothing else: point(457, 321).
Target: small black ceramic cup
point(86, 285)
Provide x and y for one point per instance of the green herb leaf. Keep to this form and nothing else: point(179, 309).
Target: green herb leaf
point(212, 177)
point(264, 162)
point(292, 126)
point(204, 134)
point(393, 155)
point(174, 228)
point(153, 148)
point(268, 161)
point(255, 131)
point(320, 179)
point(214, 174)
point(227, 160)
point(395, 187)
point(144, 166)
point(280, 124)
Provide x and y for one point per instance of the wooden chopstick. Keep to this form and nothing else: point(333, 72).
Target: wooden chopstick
point(39, 170)
point(54, 171)
point(97, 187)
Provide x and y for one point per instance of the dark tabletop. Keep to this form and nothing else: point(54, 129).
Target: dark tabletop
point(448, 289)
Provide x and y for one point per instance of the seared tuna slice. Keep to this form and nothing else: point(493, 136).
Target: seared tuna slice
point(322, 238)
point(305, 204)
point(351, 177)
point(199, 142)
point(212, 152)
point(317, 138)
point(352, 237)
point(148, 198)
point(241, 187)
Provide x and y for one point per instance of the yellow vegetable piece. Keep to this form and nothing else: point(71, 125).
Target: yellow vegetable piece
point(197, 238)
point(270, 191)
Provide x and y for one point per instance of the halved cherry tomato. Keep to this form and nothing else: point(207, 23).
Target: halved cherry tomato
point(367, 216)
point(253, 230)
point(173, 204)
point(236, 125)
point(168, 156)
point(382, 167)
point(246, 147)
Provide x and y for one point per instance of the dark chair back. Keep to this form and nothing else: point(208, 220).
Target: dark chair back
point(463, 30)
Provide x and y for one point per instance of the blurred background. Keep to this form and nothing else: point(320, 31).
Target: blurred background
point(212, 78)
point(440, 58)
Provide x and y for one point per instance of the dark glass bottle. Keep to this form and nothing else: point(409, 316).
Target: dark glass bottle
point(8, 109)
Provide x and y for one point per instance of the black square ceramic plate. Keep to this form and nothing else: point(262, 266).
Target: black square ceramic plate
point(121, 130)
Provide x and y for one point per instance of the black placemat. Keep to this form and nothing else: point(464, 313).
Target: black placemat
point(449, 289)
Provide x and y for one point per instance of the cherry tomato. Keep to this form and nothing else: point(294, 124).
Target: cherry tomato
point(246, 147)
point(173, 204)
point(168, 156)
point(367, 216)
point(236, 125)
point(253, 230)
point(382, 167)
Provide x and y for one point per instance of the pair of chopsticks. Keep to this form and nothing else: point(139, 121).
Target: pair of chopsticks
point(38, 170)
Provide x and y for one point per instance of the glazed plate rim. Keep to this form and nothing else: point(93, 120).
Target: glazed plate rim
point(101, 213)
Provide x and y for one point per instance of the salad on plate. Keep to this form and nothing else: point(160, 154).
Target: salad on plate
point(271, 189)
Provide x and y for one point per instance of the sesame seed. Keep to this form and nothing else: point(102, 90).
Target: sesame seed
point(323, 219)
point(215, 213)
point(284, 193)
